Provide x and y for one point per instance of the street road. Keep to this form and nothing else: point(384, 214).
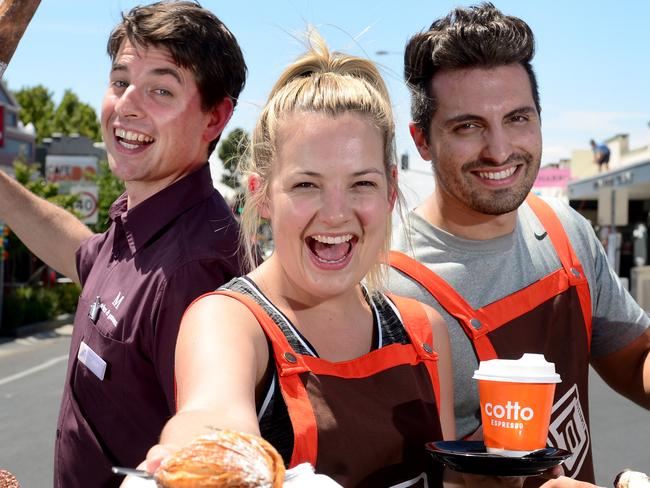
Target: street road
point(31, 378)
point(32, 372)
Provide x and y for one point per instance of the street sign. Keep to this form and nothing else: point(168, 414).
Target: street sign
point(86, 204)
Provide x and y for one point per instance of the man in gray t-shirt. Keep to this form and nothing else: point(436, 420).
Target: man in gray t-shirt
point(511, 273)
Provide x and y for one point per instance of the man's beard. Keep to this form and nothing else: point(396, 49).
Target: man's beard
point(485, 200)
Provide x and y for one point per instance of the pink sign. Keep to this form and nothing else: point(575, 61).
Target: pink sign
point(552, 177)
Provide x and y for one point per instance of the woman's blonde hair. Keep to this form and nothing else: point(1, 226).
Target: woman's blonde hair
point(320, 81)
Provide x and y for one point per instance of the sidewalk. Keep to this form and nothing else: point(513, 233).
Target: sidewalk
point(35, 328)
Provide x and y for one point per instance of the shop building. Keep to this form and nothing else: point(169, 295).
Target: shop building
point(617, 202)
point(16, 140)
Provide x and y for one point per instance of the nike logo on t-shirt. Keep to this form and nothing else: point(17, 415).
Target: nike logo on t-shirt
point(541, 236)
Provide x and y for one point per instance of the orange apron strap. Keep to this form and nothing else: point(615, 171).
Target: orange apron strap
point(565, 252)
point(553, 226)
point(475, 323)
point(289, 365)
point(417, 325)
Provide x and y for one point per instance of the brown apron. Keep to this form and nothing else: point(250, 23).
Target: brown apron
point(551, 316)
point(363, 422)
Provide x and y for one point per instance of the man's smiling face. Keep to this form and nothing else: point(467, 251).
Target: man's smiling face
point(485, 138)
point(152, 122)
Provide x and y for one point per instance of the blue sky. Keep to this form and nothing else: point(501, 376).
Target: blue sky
point(592, 61)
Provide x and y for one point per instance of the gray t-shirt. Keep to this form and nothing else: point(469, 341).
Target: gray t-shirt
point(486, 271)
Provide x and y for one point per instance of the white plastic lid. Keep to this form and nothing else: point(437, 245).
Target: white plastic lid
point(530, 368)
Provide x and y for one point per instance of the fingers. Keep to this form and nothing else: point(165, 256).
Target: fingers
point(480, 481)
point(157, 454)
point(477, 435)
point(552, 473)
point(564, 482)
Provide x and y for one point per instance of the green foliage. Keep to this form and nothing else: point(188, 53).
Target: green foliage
point(27, 304)
point(29, 176)
point(71, 116)
point(231, 152)
point(33, 302)
point(67, 297)
point(109, 187)
point(37, 107)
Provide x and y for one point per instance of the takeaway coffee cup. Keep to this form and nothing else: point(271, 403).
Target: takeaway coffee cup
point(516, 397)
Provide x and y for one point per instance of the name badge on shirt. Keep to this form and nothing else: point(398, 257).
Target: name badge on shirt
point(92, 360)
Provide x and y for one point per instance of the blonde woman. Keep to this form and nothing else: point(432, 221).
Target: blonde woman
point(306, 350)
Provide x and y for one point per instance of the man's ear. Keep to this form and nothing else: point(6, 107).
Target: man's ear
point(219, 116)
point(420, 139)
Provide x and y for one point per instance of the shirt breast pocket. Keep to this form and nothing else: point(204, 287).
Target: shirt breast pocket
point(100, 367)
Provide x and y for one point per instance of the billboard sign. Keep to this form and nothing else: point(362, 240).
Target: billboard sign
point(553, 177)
point(68, 170)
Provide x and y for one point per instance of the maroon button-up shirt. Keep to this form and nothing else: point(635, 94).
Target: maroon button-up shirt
point(138, 278)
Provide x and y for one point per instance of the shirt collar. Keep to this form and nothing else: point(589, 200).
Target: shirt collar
point(144, 220)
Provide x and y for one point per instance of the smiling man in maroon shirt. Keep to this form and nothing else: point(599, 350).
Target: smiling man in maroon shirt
point(176, 74)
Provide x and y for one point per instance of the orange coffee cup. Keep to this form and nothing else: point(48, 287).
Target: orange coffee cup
point(516, 397)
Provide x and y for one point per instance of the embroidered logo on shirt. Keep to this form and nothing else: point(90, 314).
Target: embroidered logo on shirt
point(568, 430)
point(118, 300)
point(541, 236)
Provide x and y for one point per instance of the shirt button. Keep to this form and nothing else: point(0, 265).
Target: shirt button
point(116, 255)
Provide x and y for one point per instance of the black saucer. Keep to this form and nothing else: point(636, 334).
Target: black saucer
point(472, 458)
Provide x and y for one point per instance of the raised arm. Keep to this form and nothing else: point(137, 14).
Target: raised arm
point(628, 370)
point(49, 231)
point(221, 355)
point(443, 348)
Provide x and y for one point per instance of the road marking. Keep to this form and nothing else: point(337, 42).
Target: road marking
point(35, 369)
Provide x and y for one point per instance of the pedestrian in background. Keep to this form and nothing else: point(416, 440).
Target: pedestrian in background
point(601, 155)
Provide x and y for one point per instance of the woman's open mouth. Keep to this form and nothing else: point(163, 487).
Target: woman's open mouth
point(331, 251)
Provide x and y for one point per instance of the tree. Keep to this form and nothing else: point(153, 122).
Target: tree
point(72, 116)
point(37, 298)
point(29, 176)
point(109, 187)
point(231, 151)
point(37, 107)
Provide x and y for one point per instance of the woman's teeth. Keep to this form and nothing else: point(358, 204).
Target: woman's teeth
point(332, 239)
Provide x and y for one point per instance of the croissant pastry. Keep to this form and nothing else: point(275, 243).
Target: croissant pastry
point(631, 479)
point(8, 480)
point(223, 459)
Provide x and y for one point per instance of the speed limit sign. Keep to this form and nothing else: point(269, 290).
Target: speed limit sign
point(86, 204)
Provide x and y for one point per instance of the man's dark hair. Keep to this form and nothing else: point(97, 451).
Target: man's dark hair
point(476, 37)
point(196, 40)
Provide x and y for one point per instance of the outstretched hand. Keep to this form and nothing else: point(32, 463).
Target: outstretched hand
point(564, 482)
point(476, 481)
point(156, 455)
